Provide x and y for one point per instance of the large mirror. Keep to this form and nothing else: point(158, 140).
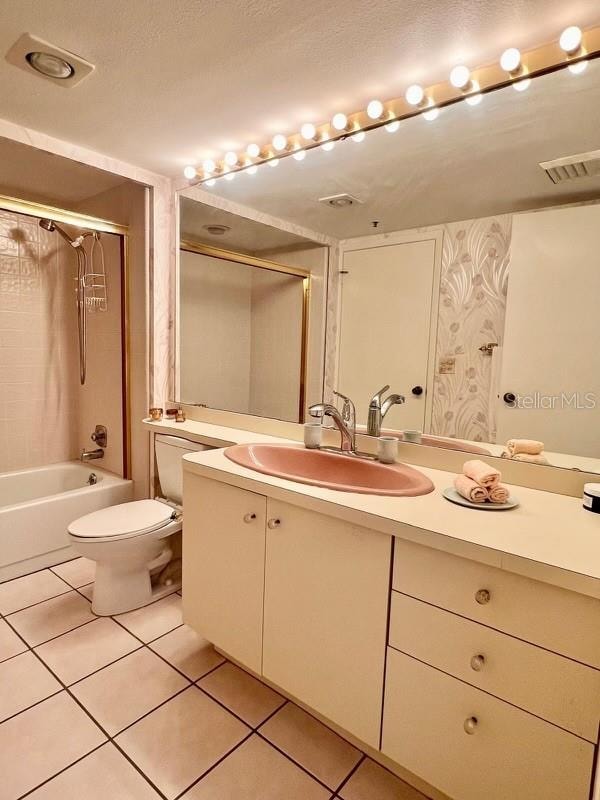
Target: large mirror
point(468, 274)
point(244, 297)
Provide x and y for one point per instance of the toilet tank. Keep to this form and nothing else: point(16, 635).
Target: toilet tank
point(169, 451)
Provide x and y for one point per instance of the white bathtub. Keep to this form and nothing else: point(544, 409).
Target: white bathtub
point(36, 505)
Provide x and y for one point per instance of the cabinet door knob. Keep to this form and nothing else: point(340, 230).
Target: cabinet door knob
point(483, 596)
point(477, 663)
point(249, 517)
point(273, 523)
point(470, 725)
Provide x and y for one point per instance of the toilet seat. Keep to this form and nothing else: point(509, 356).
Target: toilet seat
point(123, 521)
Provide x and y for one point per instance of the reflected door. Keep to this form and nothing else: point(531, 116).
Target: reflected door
point(551, 358)
point(385, 328)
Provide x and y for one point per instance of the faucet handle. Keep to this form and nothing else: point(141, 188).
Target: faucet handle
point(376, 399)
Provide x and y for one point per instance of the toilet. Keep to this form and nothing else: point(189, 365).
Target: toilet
point(131, 542)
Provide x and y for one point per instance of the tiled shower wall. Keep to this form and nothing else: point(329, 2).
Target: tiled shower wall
point(37, 341)
point(45, 415)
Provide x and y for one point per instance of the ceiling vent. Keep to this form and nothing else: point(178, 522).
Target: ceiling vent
point(340, 200)
point(583, 165)
point(217, 230)
point(48, 61)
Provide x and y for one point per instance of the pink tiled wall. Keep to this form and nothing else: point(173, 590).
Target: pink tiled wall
point(43, 410)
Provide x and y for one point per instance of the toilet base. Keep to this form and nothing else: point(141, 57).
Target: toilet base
point(100, 609)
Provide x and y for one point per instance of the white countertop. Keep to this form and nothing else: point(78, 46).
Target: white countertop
point(549, 537)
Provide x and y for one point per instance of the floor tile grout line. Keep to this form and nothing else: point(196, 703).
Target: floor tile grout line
point(151, 711)
point(41, 569)
point(353, 771)
point(101, 728)
point(53, 638)
point(9, 658)
point(213, 766)
point(39, 602)
point(105, 666)
point(64, 769)
point(33, 705)
point(293, 760)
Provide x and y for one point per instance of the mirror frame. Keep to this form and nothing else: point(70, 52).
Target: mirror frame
point(200, 248)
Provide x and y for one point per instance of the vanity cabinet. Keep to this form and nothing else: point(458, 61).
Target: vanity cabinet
point(323, 585)
point(492, 688)
point(223, 566)
point(326, 598)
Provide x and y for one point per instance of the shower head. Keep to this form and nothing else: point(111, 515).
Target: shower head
point(50, 225)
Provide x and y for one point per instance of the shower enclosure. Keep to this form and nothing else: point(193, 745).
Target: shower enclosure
point(63, 370)
point(91, 288)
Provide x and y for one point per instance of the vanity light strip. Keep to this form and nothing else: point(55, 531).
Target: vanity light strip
point(573, 48)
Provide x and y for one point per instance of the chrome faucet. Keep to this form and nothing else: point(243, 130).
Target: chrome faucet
point(378, 410)
point(90, 455)
point(346, 429)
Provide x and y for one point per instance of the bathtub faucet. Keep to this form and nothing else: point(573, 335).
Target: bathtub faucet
point(90, 455)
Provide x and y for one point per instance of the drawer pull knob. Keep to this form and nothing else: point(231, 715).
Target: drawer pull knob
point(273, 523)
point(249, 518)
point(470, 725)
point(482, 596)
point(477, 663)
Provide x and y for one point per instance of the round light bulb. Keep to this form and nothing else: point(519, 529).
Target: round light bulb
point(308, 131)
point(340, 122)
point(414, 94)
point(431, 114)
point(252, 170)
point(510, 60)
point(279, 142)
point(253, 150)
point(578, 68)
point(229, 176)
point(375, 109)
point(273, 162)
point(358, 137)
point(190, 173)
point(522, 86)
point(570, 39)
point(299, 155)
point(209, 166)
point(326, 143)
point(474, 99)
point(393, 126)
point(210, 182)
point(460, 77)
point(231, 158)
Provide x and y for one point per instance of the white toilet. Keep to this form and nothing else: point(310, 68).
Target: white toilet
point(130, 542)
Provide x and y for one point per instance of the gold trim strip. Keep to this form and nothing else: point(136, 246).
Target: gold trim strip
point(241, 258)
point(43, 211)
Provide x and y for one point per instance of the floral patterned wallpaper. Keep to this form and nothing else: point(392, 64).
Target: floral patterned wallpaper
point(472, 305)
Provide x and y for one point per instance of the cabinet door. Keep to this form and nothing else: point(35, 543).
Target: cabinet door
point(223, 566)
point(326, 599)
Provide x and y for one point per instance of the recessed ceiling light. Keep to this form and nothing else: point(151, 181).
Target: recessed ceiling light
point(217, 230)
point(48, 61)
point(50, 65)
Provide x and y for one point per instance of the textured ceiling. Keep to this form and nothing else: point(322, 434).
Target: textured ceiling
point(471, 162)
point(180, 80)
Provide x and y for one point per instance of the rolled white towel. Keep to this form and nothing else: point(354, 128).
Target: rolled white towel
point(540, 458)
point(499, 494)
point(470, 490)
point(481, 473)
point(529, 446)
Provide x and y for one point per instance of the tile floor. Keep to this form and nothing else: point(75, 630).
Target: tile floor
point(139, 707)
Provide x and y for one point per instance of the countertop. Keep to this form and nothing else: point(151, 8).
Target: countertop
point(549, 537)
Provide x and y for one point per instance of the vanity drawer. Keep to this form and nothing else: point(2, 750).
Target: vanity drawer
point(550, 686)
point(557, 619)
point(507, 754)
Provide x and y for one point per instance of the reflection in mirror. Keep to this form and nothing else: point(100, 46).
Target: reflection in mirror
point(244, 342)
point(469, 270)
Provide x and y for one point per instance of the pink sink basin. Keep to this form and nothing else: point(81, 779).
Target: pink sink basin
point(331, 470)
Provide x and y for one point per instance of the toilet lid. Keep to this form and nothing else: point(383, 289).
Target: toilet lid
point(125, 519)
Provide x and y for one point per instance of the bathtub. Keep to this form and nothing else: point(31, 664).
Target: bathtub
point(36, 505)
